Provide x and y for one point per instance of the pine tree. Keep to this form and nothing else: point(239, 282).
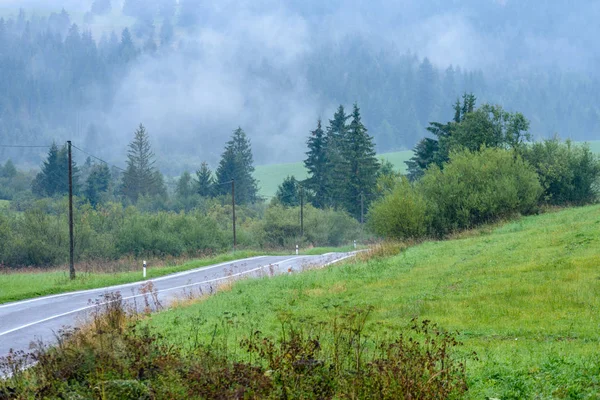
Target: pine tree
point(288, 193)
point(337, 166)
point(205, 181)
point(97, 183)
point(8, 171)
point(140, 176)
point(185, 185)
point(316, 164)
point(237, 164)
point(363, 166)
point(53, 179)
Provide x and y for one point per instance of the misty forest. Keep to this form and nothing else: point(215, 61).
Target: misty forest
point(447, 152)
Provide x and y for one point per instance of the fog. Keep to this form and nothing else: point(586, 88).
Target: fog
point(246, 64)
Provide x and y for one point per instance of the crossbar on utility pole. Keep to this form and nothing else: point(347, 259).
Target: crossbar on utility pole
point(233, 207)
point(71, 240)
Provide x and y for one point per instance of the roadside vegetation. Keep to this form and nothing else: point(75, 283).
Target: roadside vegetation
point(522, 295)
point(515, 307)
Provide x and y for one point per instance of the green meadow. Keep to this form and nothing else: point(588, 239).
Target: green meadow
point(523, 296)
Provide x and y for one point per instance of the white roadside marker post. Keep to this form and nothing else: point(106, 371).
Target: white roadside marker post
point(144, 269)
point(355, 245)
point(296, 249)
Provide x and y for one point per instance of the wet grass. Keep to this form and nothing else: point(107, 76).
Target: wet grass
point(524, 296)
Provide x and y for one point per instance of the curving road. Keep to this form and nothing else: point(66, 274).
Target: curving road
point(38, 319)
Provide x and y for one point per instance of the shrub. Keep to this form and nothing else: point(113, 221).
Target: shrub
point(568, 173)
point(473, 188)
point(116, 356)
point(401, 214)
point(479, 187)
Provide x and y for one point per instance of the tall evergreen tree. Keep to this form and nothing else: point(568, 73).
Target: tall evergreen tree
point(363, 166)
point(185, 187)
point(237, 163)
point(140, 176)
point(53, 179)
point(337, 166)
point(288, 193)
point(205, 181)
point(97, 183)
point(316, 164)
point(9, 170)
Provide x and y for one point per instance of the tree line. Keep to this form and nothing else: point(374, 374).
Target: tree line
point(480, 167)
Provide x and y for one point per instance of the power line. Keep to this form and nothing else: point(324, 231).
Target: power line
point(96, 158)
point(17, 146)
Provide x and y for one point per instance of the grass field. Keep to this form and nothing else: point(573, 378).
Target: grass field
point(523, 296)
point(4, 204)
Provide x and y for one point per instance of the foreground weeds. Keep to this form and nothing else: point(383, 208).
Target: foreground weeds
point(116, 356)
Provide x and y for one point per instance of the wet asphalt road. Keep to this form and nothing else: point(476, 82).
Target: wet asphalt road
point(24, 322)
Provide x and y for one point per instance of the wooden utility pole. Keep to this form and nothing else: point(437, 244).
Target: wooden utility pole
point(233, 207)
point(302, 211)
point(362, 208)
point(71, 241)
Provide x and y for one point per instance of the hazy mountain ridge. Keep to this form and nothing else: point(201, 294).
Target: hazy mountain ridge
point(274, 68)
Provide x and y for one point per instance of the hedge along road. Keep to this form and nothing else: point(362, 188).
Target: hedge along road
point(24, 322)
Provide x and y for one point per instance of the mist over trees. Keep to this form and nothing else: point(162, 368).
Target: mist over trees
point(187, 71)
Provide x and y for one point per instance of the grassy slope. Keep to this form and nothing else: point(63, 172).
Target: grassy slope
point(4, 204)
point(524, 297)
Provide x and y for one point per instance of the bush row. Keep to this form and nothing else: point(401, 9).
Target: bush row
point(40, 237)
point(487, 185)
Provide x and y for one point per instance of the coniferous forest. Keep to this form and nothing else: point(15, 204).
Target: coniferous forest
point(61, 77)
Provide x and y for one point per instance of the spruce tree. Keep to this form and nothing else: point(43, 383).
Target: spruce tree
point(361, 159)
point(237, 163)
point(97, 184)
point(337, 166)
point(205, 181)
point(9, 170)
point(53, 179)
point(185, 187)
point(288, 193)
point(140, 176)
point(316, 164)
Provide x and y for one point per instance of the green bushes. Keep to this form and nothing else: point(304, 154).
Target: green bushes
point(401, 214)
point(473, 188)
point(39, 236)
point(568, 173)
point(281, 227)
point(478, 187)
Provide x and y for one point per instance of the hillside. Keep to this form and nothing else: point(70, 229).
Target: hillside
point(522, 295)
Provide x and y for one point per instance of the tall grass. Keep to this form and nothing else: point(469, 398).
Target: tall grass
point(117, 357)
point(523, 295)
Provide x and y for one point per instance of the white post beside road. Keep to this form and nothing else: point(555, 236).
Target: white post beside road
point(355, 244)
point(296, 249)
point(144, 269)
